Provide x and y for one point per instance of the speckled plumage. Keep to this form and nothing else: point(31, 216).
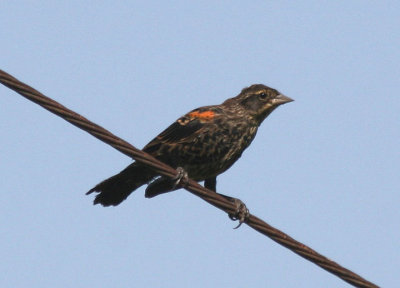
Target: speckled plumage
point(204, 142)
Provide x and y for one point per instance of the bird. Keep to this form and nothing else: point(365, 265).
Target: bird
point(201, 145)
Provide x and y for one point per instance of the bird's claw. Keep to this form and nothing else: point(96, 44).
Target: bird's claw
point(181, 179)
point(241, 213)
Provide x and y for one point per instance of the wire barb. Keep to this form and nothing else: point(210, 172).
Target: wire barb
point(192, 186)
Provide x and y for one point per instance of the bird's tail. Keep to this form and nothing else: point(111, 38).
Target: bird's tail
point(117, 188)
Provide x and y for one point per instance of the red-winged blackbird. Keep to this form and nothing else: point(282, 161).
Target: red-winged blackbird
point(205, 143)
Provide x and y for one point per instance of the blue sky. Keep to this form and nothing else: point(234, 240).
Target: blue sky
point(324, 169)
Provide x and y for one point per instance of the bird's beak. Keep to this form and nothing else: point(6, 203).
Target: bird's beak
point(281, 99)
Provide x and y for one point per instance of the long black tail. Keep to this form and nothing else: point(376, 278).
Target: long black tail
point(117, 188)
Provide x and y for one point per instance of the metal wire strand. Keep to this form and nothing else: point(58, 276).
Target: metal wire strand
point(192, 186)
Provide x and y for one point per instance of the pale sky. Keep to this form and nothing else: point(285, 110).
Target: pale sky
point(324, 169)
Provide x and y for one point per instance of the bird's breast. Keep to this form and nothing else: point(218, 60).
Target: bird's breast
point(213, 151)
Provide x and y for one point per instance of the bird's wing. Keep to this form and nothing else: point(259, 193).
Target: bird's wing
point(184, 129)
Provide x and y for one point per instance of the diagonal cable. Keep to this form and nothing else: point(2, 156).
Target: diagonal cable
point(192, 186)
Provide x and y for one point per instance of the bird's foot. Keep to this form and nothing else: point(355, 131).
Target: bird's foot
point(181, 179)
point(241, 213)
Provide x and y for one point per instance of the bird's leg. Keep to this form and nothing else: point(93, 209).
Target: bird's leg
point(181, 179)
point(241, 213)
point(165, 184)
point(211, 183)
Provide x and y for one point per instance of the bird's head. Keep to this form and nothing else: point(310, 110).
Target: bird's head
point(258, 101)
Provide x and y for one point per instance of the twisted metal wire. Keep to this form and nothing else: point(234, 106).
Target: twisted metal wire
point(192, 186)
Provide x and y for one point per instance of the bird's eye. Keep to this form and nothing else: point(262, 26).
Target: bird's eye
point(262, 95)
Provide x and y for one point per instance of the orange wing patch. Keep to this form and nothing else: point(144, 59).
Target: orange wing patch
point(204, 115)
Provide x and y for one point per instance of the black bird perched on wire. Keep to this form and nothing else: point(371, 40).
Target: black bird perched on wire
point(201, 144)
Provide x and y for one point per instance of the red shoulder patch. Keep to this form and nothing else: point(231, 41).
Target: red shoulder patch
point(203, 115)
